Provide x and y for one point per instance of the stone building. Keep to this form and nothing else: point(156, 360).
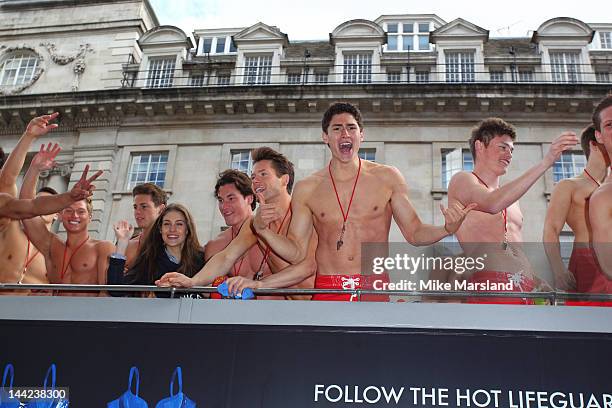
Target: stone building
point(148, 102)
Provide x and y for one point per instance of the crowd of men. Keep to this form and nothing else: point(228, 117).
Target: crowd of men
point(312, 235)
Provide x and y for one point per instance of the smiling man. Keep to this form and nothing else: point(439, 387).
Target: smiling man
point(79, 259)
point(495, 227)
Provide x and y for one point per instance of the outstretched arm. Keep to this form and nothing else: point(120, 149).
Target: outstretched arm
point(10, 171)
point(556, 215)
point(404, 214)
point(291, 275)
point(219, 265)
point(467, 189)
point(294, 247)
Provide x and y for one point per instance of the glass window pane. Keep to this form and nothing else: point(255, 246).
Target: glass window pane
point(392, 28)
point(423, 27)
point(392, 42)
point(207, 45)
point(220, 45)
point(408, 27)
point(423, 42)
point(407, 43)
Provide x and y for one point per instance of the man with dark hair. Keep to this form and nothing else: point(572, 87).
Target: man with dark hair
point(600, 213)
point(569, 204)
point(496, 224)
point(21, 262)
point(348, 203)
point(149, 201)
point(79, 259)
point(272, 179)
point(236, 204)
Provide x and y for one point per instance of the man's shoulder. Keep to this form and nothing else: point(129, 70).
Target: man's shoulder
point(309, 183)
point(103, 245)
point(602, 194)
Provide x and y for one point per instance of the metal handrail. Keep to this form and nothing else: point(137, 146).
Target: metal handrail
point(552, 296)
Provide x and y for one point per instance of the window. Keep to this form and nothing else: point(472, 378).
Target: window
point(258, 69)
point(394, 76)
point(223, 78)
point(405, 36)
point(454, 161)
point(207, 45)
point(605, 38)
point(148, 168)
point(570, 164)
point(18, 69)
point(220, 49)
point(526, 76)
point(422, 76)
point(357, 68)
point(294, 78)
point(423, 42)
point(565, 66)
point(241, 160)
point(196, 80)
point(459, 66)
point(392, 37)
point(497, 76)
point(232, 47)
point(602, 77)
point(321, 77)
point(161, 72)
point(367, 154)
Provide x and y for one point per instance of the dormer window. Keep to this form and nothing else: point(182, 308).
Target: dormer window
point(407, 36)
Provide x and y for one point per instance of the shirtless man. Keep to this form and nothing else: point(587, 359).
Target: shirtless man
point(236, 201)
point(273, 180)
point(149, 202)
point(601, 201)
point(349, 202)
point(495, 227)
point(570, 203)
point(79, 260)
point(20, 261)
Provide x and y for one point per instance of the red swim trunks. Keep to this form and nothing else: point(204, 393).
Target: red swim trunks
point(520, 283)
point(218, 280)
point(365, 282)
point(589, 277)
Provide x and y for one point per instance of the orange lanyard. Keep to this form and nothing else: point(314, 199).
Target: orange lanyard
point(592, 178)
point(259, 274)
point(27, 262)
point(64, 265)
point(340, 242)
point(504, 212)
point(237, 272)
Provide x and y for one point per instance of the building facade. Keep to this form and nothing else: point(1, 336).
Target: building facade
point(145, 102)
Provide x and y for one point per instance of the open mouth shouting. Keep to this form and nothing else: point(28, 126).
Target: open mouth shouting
point(346, 147)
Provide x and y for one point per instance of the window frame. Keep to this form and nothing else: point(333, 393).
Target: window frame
point(12, 54)
point(564, 71)
point(171, 59)
point(122, 182)
point(354, 69)
point(464, 71)
point(261, 74)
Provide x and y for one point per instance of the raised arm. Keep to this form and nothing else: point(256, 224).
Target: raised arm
point(28, 207)
point(294, 247)
point(219, 265)
point(600, 215)
point(411, 226)
point(12, 167)
point(467, 189)
point(558, 209)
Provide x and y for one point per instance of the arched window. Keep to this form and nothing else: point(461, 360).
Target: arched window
point(18, 68)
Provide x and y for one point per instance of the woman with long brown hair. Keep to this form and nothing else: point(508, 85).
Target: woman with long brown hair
point(172, 245)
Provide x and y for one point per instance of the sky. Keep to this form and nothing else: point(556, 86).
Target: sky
point(315, 19)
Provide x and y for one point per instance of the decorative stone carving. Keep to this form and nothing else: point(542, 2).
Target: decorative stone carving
point(37, 74)
point(79, 60)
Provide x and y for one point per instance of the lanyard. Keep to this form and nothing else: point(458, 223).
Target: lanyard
point(66, 265)
point(27, 262)
point(259, 275)
point(504, 214)
point(340, 242)
point(592, 178)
